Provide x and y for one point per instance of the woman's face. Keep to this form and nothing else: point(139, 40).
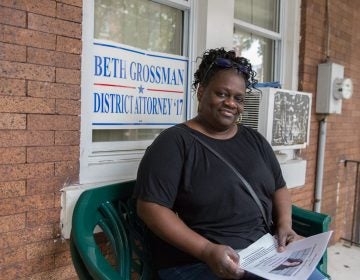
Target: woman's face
point(222, 100)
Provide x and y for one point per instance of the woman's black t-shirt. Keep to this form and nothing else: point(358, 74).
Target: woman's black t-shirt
point(180, 173)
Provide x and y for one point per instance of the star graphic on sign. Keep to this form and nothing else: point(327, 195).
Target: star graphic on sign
point(141, 89)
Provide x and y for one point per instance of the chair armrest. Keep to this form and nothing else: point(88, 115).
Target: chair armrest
point(307, 223)
point(79, 265)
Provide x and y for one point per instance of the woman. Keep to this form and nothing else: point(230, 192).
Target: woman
point(197, 209)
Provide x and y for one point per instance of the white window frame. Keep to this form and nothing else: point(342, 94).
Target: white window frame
point(118, 161)
point(287, 42)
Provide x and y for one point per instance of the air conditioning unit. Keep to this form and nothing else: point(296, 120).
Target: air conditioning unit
point(281, 116)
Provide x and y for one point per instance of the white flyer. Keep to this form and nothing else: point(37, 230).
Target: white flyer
point(297, 262)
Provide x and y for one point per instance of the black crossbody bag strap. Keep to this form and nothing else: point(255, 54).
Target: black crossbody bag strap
point(242, 179)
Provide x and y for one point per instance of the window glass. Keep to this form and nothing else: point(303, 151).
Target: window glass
point(258, 50)
point(258, 12)
point(140, 23)
point(256, 35)
point(143, 24)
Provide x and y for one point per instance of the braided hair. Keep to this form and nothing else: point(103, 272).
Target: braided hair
point(203, 75)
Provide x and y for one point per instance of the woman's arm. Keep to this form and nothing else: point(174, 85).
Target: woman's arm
point(223, 260)
point(282, 218)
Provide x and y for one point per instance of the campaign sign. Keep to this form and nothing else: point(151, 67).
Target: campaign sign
point(133, 87)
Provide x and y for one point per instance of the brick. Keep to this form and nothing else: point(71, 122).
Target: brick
point(69, 45)
point(11, 52)
point(15, 104)
point(355, 114)
point(68, 107)
point(45, 248)
point(16, 138)
point(54, 153)
point(12, 189)
point(53, 58)
point(42, 7)
point(12, 155)
point(57, 202)
point(12, 121)
point(12, 172)
point(25, 236)
point(25, 270)
point(67, 76)
point(62, 259)
point(44, 185)
point(77, 3)
point(54, 26)
point(67, 60)
point(12, 17)
point(43, 217)
point(11, 272)
point(41, 56)
point(22, 204)
point(27, 71)
point(12, 87)
point(12, 222)
point(39, 265)
point(67, 137)
point(68, 12)
point(26, 37)
point(59, 273)
point(11, 255)
point(69, 169)
point(53, 90)
point(53, 122)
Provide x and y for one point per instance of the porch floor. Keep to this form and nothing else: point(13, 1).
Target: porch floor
point(344, 261)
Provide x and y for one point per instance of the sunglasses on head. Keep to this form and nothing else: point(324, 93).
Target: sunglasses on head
point(226, 64)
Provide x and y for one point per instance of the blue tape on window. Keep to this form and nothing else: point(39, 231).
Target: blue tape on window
point(269, 84)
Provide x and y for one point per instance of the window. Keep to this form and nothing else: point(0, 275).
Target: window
point(142, 24)
point(267, 33)
point(111, 151)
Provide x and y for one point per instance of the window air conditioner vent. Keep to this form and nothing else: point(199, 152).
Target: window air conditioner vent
point(281, 116)
point(251, 110)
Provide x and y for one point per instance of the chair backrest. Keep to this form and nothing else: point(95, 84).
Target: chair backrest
point(111, 208)
point(307, 223)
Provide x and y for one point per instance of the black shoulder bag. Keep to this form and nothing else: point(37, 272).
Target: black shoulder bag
point(242, 179)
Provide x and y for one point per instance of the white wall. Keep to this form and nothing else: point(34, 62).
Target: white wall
point(220, 24)
point(214, 25)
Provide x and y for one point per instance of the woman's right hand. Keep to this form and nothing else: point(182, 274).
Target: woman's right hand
point(223, 261)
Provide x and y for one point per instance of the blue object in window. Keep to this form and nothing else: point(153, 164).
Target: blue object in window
point(269, 84)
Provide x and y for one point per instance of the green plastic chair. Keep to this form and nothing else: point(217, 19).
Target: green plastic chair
point(307, 223)
point(112, 208)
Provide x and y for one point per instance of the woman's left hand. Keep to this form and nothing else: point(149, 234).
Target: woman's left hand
point(283, 219)
point(285, 235)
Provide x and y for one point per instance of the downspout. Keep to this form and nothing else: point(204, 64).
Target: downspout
point(322, 125)
point(320, 163)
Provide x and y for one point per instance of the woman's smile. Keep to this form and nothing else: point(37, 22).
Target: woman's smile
point(227, 112)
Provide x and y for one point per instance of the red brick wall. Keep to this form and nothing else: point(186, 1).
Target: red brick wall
point(343, 133)
point(40, 47)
